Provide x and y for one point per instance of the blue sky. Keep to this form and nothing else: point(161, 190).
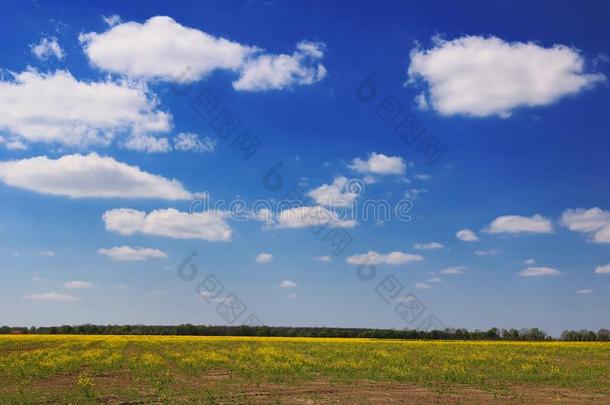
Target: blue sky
point(102, 156)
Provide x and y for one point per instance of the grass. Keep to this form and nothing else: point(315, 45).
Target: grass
point(168, 369)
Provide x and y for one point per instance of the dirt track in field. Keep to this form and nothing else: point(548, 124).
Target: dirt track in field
point(233, 391)
point(396, 393)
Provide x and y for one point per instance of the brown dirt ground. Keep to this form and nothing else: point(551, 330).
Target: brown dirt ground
point(397, 393)
point(234, 391)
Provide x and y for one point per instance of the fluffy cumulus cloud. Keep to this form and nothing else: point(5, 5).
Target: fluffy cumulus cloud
point(78, 284)
point(393, 258)
point(479, 76)
point(603, 269)
point(594, 222)
point(378, 163)
point(51, 296)
point(208, 225)
point(466, 235)
point(87, 176)
point(128, 253)
point(272, 72)
point(162, 49)
point(187, 141)
point(57, 108)
point(303, 217)
point(520, 224)
point(539, 272)
point(263, 257)
point(340, 193)
point(47, 48)
point(428, 246)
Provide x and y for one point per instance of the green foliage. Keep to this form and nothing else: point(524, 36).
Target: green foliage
point(533, 334)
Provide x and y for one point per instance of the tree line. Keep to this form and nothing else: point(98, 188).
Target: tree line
point(526, 334)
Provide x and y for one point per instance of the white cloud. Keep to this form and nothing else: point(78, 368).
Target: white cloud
point(51, 296)
point(520, 224)
point(47, 253)
point(287, 284)
point(112, 20)
point(207, 225)
point(392, 258)
point(594, 222)
point(162, 49)
point(263, 257)
point(466, 235)
point(38, 279)
point(187, 141)
point(323, 258)
point(78, 284)
point(132, 253)
point(13, 144)
point(272, 72)
point(581, 220)
point(584, 291)
point(378, 163)
point(477, 76)
point(453, 270)
point(147, 143)
point(539, 272)
point(88, 176)
point(57, 108)
point(488, 252)
point(46, 48)
point(422, 286)
point(336, 194)
point(422, 102)
point(302, 217)
point(603, 269)
point(529, 262)
point(428, 246)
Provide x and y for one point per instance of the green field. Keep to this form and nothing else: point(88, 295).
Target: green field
point(163, 369)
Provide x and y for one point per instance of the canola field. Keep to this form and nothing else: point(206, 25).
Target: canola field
point(75, 369)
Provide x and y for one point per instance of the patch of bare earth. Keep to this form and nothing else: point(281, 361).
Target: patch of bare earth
point(321, 392)
point(231, 390)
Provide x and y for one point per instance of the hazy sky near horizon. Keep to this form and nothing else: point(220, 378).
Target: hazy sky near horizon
point(133, 135)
